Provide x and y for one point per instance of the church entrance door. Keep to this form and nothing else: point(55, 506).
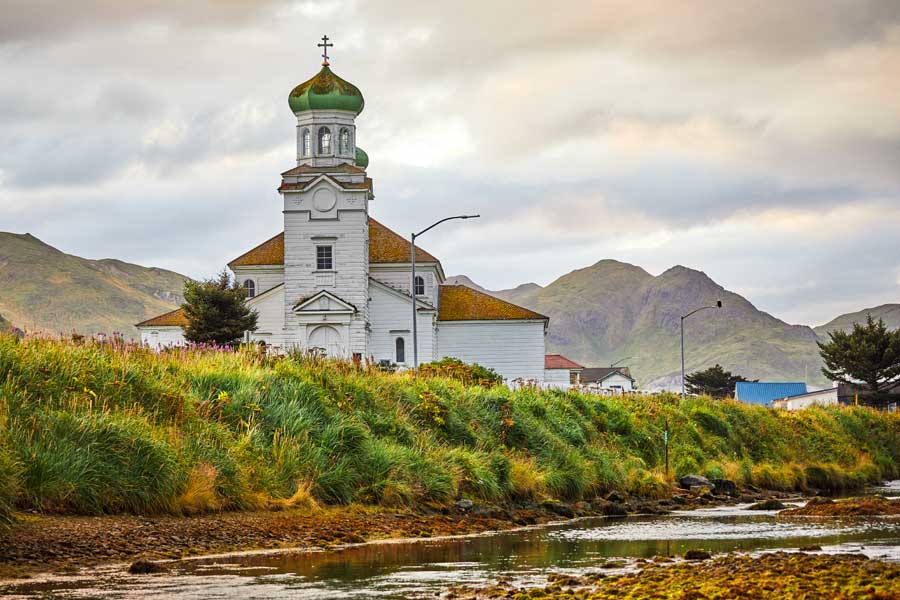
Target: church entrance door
point(328, 339)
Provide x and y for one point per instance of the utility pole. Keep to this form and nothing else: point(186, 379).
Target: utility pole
point(696, 310)
point(412, 287)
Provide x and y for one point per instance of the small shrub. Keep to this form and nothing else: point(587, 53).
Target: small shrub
point(526, 480)
point(200, 495)
point(714, 471)
point(468, 374)
point(644, 484)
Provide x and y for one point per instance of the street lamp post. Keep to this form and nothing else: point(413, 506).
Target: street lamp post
point(696, 310)
point(412, 288)
point(621, 360)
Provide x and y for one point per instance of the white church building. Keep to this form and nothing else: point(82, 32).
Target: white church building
point(339, 281)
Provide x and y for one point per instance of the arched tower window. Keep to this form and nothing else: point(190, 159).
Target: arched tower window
point(344, 139)
point(420, 285)
point(324, 141)
point(307, 143)
point(250, 286)
point(400, 350)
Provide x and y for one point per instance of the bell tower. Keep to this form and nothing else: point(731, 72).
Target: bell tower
point(326, 231)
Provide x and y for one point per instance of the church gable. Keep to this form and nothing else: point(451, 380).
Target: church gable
point(323, 302)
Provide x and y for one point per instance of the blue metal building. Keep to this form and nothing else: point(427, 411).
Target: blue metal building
point(764, 393)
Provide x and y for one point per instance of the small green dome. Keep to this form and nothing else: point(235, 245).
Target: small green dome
point(362, 159)
point(326, 91)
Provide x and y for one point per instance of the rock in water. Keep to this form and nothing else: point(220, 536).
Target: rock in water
point(616, 497)
point(771, 504)
point(689, 481)
point(145, 567)
point(559, 508)
point(724, 487)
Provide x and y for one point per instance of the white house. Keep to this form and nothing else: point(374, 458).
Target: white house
point(614, 379)
point(826, 397)
point(560, 372)
point(339, 281)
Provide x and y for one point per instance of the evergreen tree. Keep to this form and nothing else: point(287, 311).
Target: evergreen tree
point(715, 382)
point(216, 312)
point(869, 353)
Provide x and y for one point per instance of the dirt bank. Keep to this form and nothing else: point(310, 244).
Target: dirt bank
point(778, 575)
point(61, 543)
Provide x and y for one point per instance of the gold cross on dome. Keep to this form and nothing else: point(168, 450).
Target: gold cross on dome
point(325, 46)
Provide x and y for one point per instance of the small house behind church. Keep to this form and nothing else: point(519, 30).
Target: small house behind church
point(560, 372)
point(612, 379)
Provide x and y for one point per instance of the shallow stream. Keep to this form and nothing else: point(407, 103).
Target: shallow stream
point(424, 569)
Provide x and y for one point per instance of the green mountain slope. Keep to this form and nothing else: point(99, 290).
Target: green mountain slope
point(613, 310)
point(45, 290)
point(890, 313)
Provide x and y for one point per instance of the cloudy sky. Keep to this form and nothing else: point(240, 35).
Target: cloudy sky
point(758, 142)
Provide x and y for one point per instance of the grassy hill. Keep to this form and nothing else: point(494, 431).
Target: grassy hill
point(43, 289)
point(199, 430)
point(890, 313)
point(612, 310)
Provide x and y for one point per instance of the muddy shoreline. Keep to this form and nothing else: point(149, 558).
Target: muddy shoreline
point(65, 544)
point(729, 576)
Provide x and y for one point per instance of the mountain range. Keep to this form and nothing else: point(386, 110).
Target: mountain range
point(599, 315)
point(45, 290)
point(613, 311)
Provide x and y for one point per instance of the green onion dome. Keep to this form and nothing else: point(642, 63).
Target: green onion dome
point(362, 159)
point(326, 91)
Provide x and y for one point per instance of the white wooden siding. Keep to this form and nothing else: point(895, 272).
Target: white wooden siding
point(617, 380)
point(557, 378)
point(270, 323)
point(391, 315)
point(265, 277)
point(515, 349)
point(827, 397)
point(162, 337)
point(350, 238)
point(399, 277)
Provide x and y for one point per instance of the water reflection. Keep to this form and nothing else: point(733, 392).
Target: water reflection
point(422, 569)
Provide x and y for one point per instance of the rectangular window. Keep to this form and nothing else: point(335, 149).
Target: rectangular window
point(324, 258)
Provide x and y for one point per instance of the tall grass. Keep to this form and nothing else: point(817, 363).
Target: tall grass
point(91, 428)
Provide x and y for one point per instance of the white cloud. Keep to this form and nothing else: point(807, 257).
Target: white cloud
point(757, 143)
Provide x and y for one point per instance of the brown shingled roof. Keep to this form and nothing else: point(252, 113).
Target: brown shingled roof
point(385, 246)
point(308, 170)
point(175, 318)
point(461, 303)
point(270, 252)
point(558, 361)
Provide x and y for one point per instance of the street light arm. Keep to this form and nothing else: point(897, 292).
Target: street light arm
point(433, 225)
point(696, 310)
point(621, 360)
